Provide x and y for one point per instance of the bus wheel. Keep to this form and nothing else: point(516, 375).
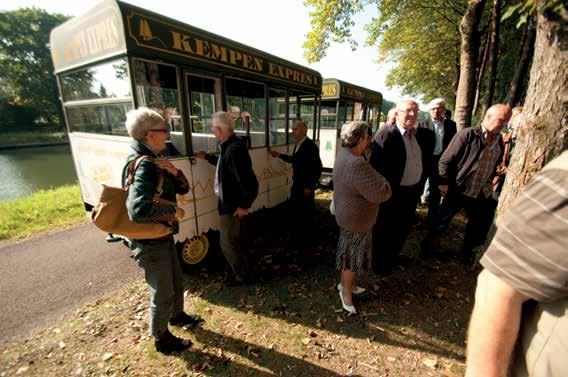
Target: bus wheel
point(194, 250)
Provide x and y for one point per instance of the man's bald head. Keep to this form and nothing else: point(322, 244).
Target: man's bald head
point(496, 118)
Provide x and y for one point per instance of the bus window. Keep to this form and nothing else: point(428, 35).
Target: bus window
point(101, 119)
point(96, 99)
point(328, 109)
point(358, 111)
point(203, 99)
point(277, 116)
point(157, 88)
point(302, 106)
point(349, 112)
point(109, 80)
point(246, 100)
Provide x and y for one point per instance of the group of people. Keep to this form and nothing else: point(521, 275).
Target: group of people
point(236, 187)
point(459, 166)
point(378, 183)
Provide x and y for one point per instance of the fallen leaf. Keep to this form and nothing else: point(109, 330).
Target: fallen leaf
point(22, 369)
point(431, 363)
point(108, 356)
point(62, 345)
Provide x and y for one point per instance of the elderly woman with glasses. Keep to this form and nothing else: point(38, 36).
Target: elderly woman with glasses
point(358, 190)
point(158, 257)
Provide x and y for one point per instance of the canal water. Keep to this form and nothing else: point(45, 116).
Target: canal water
point(24, 171)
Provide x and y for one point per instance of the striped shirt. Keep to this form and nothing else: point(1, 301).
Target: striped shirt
point(413, 168)
point(530, 248)
point(484, 168)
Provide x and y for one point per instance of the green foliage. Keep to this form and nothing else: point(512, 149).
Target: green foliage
point(386, 106)
point(44, 210)
point(26, 70)
point(331, 20)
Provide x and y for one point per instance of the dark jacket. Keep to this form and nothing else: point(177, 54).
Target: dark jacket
point(388, 153)
point(450, 130)
point(306, 165)
point(238, 183)
point(461, 155)
point(139, 201)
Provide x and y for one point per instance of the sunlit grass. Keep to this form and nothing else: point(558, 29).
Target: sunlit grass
point(43, 210)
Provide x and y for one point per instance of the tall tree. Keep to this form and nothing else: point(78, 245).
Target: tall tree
point(469, 50)
point(544, 133)
point(527, 50)
point(26, 70)
point(493, 55)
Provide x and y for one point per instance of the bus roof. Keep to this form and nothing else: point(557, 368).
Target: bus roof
point(337, 89)
point(114, 28)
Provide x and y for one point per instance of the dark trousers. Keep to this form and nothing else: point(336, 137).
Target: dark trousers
point(233, 238)
point(395, 218)
point(479, 213)
point(162, 272)
point(300, 216)
point(434, 192)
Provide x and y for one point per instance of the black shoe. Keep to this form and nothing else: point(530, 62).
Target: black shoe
point(184, 319)
point(168, 343)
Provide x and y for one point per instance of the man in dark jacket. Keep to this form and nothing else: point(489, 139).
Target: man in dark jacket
point(466, 171)
point(402, 155)
point(444, 130)
point(236, 187)
point(307, 167)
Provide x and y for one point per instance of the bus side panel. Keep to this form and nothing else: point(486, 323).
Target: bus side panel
point(203, 195)
point(328, 147)
point(281, 177)
point(261, 165)
point(98, 160)
point(186, 201)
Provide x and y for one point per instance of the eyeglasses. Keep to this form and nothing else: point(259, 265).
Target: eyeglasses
point(160, 130)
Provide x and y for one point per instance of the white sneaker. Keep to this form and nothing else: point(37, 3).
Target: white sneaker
point(348, 308)
point(356, 291)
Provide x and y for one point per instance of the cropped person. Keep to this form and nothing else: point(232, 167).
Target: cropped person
point(358, 190)
point(236, 187)
point(519, 324)
point(158, 257)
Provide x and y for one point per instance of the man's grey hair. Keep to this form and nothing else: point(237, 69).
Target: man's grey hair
point(402, 104)
point(352, 132)
point(225, 120)
point(436, 102)
point(139, 121)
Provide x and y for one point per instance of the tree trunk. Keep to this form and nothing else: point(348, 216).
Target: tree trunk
point(527, 51)
point(481, 72)
point(544, 134)
point(469, 51)
point(493, 55)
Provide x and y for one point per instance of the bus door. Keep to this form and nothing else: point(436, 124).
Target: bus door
point(204, 99)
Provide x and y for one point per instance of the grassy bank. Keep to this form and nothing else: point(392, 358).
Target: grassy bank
point(44, 210)
point(29, 137)
point(288, 323)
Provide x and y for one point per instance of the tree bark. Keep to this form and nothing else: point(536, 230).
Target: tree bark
point(493, 55)
point(481, 72)
point(544, 134)
point(527, 51)
point(469, 52)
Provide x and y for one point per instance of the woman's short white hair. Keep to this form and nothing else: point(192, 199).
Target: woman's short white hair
point(139, 121)
point(352, 132)
point(224, 120)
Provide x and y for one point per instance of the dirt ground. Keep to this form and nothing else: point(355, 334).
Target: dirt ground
point(288, 323)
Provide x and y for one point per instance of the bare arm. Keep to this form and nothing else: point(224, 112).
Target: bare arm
point(493, 328)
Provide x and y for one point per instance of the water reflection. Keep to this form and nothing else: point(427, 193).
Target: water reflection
point(24, 171)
